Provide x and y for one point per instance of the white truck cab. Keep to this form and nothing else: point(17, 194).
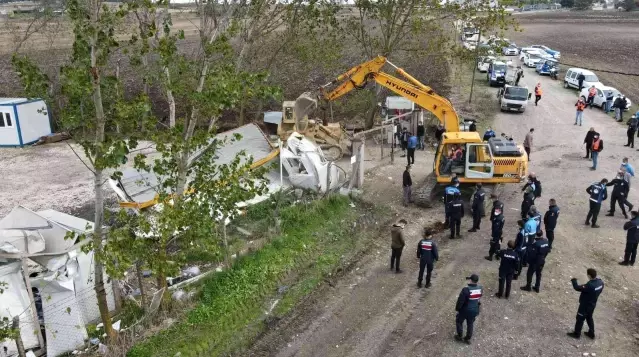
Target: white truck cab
point(513, 98)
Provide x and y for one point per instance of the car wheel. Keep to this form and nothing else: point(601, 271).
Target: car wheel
point(566, 84)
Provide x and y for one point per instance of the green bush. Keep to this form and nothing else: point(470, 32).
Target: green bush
point(232, 299)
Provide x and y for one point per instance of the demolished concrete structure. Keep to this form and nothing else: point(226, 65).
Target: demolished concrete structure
point(50, 279)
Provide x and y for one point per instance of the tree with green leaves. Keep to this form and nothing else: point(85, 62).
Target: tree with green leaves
point(84, 111)
point(417, 30)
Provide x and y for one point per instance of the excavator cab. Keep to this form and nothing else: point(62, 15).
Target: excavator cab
point(469, 160)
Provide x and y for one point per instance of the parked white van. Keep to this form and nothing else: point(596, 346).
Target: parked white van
point(513, 98)
point(571, 78)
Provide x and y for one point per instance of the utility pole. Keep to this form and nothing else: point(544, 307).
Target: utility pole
point(472, 84)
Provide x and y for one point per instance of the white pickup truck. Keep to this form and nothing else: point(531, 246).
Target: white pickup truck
point(513, 98)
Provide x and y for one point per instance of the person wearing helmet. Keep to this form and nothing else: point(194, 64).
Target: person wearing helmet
point(455, 212)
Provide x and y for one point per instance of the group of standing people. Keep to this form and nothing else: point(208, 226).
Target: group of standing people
point(410, 142)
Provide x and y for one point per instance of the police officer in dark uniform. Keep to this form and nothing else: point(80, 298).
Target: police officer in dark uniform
point(520, 248)
point(619, 194)
point(427, 255)
point(449, 196)
point(467, 308)
point(632, 239)
point(536, 259)
point(598, 194)
point(455, 213)
point(496, 204)
point(496, 235)
point(477, 207)
point(528, 200)
point(550, 221)
point(507, 268)
point(590, 292)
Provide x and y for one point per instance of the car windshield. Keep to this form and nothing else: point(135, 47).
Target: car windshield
point(516, 93)
point(591, 78)
point(488, 60)
point(499, 68)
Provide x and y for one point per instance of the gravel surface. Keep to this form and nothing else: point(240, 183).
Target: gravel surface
point(373, 312)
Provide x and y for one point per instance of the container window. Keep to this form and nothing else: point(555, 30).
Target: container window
point(7, 119)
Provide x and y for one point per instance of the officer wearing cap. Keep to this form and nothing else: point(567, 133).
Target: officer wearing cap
point(449, 196)
point(496, 204)
point(507, 269)
point(520, 248)
point(496, 234)
point(537, 253)
point(467, 308)
point(427, 255)
point(455, 213)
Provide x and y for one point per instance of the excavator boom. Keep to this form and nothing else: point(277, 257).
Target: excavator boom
point(411, 89)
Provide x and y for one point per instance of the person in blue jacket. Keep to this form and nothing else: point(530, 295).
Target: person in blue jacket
point(410, 148)
point(449, 196)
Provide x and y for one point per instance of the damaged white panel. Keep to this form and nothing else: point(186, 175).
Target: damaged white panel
point(15, 302)
point(64, 325)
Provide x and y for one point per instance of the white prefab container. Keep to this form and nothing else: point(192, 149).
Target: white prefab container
point(23, 121)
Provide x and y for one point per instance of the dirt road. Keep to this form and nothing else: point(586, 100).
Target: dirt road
point(373, 312)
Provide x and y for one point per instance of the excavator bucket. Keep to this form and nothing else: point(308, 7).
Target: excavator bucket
point(304, 105)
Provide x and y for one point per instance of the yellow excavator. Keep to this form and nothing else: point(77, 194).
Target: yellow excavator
point(460, 154)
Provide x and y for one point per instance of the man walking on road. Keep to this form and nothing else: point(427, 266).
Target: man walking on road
point(538, 92)
point(590, 292)
point(550, 221)
point(528, 142)
point(619, 194)
point(477, 207)
point(632, 239)
point(421, 132)
point(467, 307)
point(536, 260)
point(590, 136)
point(580, 79)
point(496, 235)
point(580, 111)
point(427, 255)
point(632, 129)
point(598, 194)
point(397, 244)
point(597, 147)
point(410, 148)
point(407, 183)
point(507, 269)
point(456, 212)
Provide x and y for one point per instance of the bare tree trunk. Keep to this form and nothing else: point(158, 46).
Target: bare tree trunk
point(170, 98)
point(212, 123)
point(138, 275)
point(117, 89)
point(97, 185)
point(227, 258)
point(242, 113)
point(19, 344)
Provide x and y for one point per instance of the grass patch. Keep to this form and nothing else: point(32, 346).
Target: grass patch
point(313, 235)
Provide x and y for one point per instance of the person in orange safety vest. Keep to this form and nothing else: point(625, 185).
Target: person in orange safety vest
point(537, 93)
point(580, 111)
